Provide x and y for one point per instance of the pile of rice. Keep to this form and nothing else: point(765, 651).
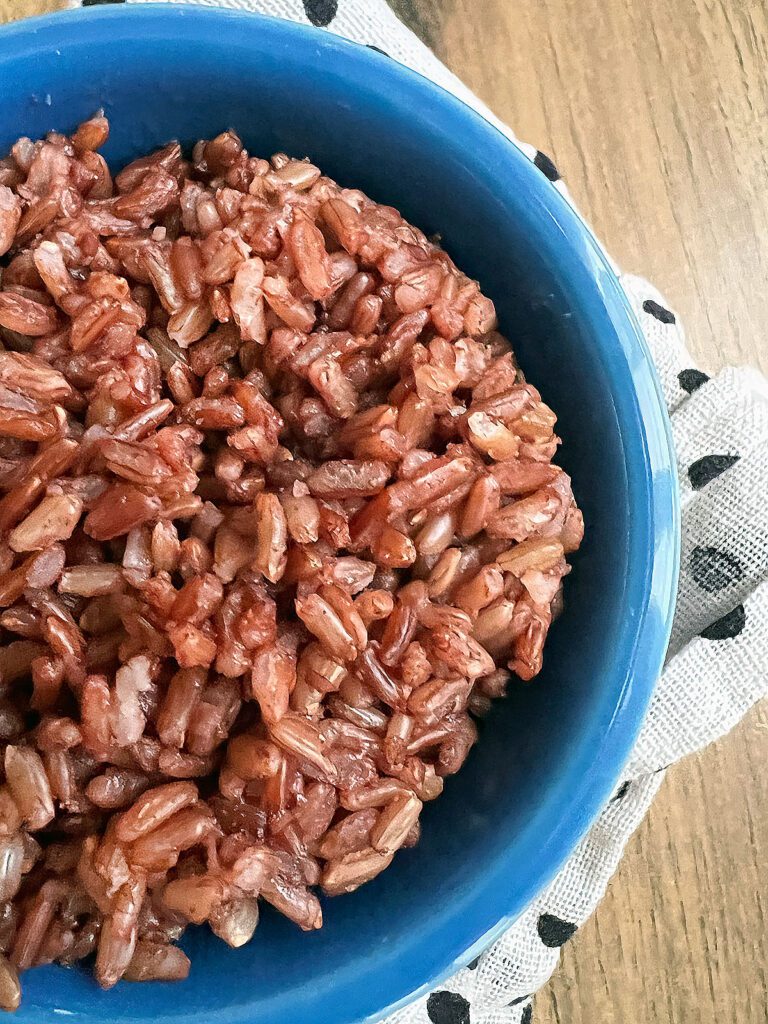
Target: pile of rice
point(278, 517)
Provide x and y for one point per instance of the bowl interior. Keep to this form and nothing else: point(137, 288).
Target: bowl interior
point(549, 753)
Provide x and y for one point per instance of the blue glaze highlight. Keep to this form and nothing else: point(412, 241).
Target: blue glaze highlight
point(550, 755)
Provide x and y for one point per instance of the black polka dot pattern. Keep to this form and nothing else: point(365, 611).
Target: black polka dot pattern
point(691, 380)
point(666, 316)
point(622, 791)
point(321, 12)
point(546, 166)
point(527, 1015)
point(448, 1008)
point(714, 570)
point(553, 931)
point(703, 471)
point(727, 627)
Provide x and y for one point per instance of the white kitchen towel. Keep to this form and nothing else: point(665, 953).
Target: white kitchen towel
point(717, 666)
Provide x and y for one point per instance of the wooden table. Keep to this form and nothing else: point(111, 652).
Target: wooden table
point(656, 112)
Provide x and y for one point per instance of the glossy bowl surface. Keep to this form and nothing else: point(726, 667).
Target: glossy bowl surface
point(550, 754)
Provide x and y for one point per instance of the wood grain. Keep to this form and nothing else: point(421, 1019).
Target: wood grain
point(656, 112)
point(10, 10)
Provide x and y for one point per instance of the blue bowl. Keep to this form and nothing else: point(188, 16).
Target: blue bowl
point(550, 754)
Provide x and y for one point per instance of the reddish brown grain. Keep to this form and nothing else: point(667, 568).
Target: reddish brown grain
point(277, 510)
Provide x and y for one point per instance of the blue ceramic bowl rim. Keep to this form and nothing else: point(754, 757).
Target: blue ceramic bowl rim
point(650, 457)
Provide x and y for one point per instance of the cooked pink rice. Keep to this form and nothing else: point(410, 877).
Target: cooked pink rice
point(278, 517)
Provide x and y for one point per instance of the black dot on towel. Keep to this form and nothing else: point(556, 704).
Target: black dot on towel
point(321, 12)
point(546, 166)
point(527, 1015)
point(447, 1008)
point(473, 964)
point(553, 931)
point(378, 49)
point(666, 316)
point(691, 380)
point(99, 3)
point(713, 569)
point(520, 999)
point(727, 627)
point(622, 791)
point(703, 471)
